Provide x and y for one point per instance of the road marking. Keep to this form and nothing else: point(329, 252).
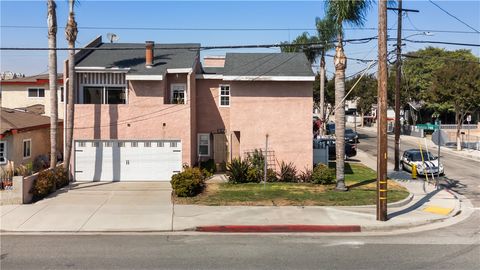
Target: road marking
point(347, 243)
point(438, 210)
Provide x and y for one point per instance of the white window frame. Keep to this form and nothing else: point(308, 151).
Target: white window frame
point(198, 144)
point(171, 92)
point(38, 92)
point(30, 148)
point(4, 152)
point(104, 91)
point(220, 95)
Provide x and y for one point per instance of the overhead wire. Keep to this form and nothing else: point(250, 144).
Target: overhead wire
point(453, 16)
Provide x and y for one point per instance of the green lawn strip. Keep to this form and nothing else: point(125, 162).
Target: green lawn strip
point(359, 178)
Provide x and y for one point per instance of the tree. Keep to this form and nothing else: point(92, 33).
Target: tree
point(365, 92)
point(52, 78)
point(352, 12)
point(456, 86)
point(310, 52)
point(326, 33)
point(71, 32)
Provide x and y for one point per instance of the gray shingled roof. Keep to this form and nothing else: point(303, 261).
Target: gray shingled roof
point(14, 119)
point(213, 70)
point(183, 56)
point(267, 64)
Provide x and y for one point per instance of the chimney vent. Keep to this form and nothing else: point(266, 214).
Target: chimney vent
point(149, 45)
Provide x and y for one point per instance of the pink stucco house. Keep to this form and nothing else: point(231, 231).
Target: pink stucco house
point(144, 110)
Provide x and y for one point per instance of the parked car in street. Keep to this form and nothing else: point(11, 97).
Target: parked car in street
point(350, 149)
point(425, 162)
point(351, 136)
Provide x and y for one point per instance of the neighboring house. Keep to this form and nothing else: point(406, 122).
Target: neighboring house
point(144, 112)
point(29, 93)
point(24, 136)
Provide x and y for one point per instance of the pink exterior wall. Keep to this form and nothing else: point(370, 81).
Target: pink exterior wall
point(142, 118)
point(283, 110)
point(210, 116)
point(213, 61)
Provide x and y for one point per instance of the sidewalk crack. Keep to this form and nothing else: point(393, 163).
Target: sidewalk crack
point(96, 210)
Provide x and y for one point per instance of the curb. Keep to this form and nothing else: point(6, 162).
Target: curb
point(278, 228)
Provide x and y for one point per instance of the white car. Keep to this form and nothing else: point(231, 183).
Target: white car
point(427, 165)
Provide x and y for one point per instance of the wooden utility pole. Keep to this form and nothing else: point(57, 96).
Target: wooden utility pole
point(382, 113)
point(398, 80)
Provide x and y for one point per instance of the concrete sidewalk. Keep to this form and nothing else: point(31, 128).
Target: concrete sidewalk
point(104, 210)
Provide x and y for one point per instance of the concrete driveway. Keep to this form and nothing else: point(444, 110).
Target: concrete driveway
point(96, 206)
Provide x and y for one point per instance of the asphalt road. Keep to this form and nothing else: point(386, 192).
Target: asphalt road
point(238, 252)
point(461, 174)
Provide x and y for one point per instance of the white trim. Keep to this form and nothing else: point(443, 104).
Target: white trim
point(171, 92)
point(220, 95)
point(270, 78)
point(38, 92)
point(30, 149)
point(143, 77)
point(179, 70)
point(4, 152)
point(198, 144)
point(102, 69)
point(209, 76)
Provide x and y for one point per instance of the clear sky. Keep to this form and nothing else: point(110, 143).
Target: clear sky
point(109, 15)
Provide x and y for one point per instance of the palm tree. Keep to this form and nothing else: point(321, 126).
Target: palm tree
point(52, 77)
point(352, 12)
point(326, 33)
point(310, 52)
point(71, 32)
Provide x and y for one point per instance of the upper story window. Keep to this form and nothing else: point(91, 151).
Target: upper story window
point(3, 152)
point(178, 93)
point(104, 95)
point(224, 95)
point(36, 92)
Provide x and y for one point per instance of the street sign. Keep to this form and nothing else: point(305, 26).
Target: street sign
point(428, 126)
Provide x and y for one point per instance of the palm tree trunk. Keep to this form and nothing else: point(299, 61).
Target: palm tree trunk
point(322, 94)
point(71, 36)
point(52, 77)
point(340, 65)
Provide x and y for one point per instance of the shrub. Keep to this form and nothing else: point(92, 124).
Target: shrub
point(256, 159)
point(323, 175)
point(237, 171)
point(44, 185)
point(254, 175)
point(271, 176)
point(305, 176)
point(24, 169)
point(61, 177)
point(209, 166)
point(188, 183)
point(287, 173)
point(41, 162)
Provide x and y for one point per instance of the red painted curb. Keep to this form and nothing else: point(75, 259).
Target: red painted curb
point(279, 228)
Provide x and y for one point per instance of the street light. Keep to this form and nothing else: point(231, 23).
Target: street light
point(420, 34)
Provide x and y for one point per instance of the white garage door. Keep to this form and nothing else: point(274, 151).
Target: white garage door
point(116, 160)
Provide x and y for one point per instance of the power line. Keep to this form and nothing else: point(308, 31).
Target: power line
point(232, 29)
point(250, 46)
point(453, 16)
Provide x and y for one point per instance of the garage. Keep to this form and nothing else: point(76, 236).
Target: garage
point(127, 160)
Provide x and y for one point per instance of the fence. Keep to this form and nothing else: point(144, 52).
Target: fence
point(466, 141)
point(454, 126)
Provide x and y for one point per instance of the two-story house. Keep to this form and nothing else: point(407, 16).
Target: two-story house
point(32, 94)
point(144, 110)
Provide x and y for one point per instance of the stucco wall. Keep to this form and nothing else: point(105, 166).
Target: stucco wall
point(144, 117)
point(15, 96)
point(40, 145)
point(283, 110)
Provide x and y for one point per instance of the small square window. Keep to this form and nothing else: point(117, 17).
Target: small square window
point(134, 144)
point(173, 144)
point(82, 144)
point(108, 144)
point(147, 144)
point(36, 92)
point(160, 144)
point(95, 144)
point(121, 144)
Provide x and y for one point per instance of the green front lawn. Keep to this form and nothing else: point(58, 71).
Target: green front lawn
point(360, 179)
